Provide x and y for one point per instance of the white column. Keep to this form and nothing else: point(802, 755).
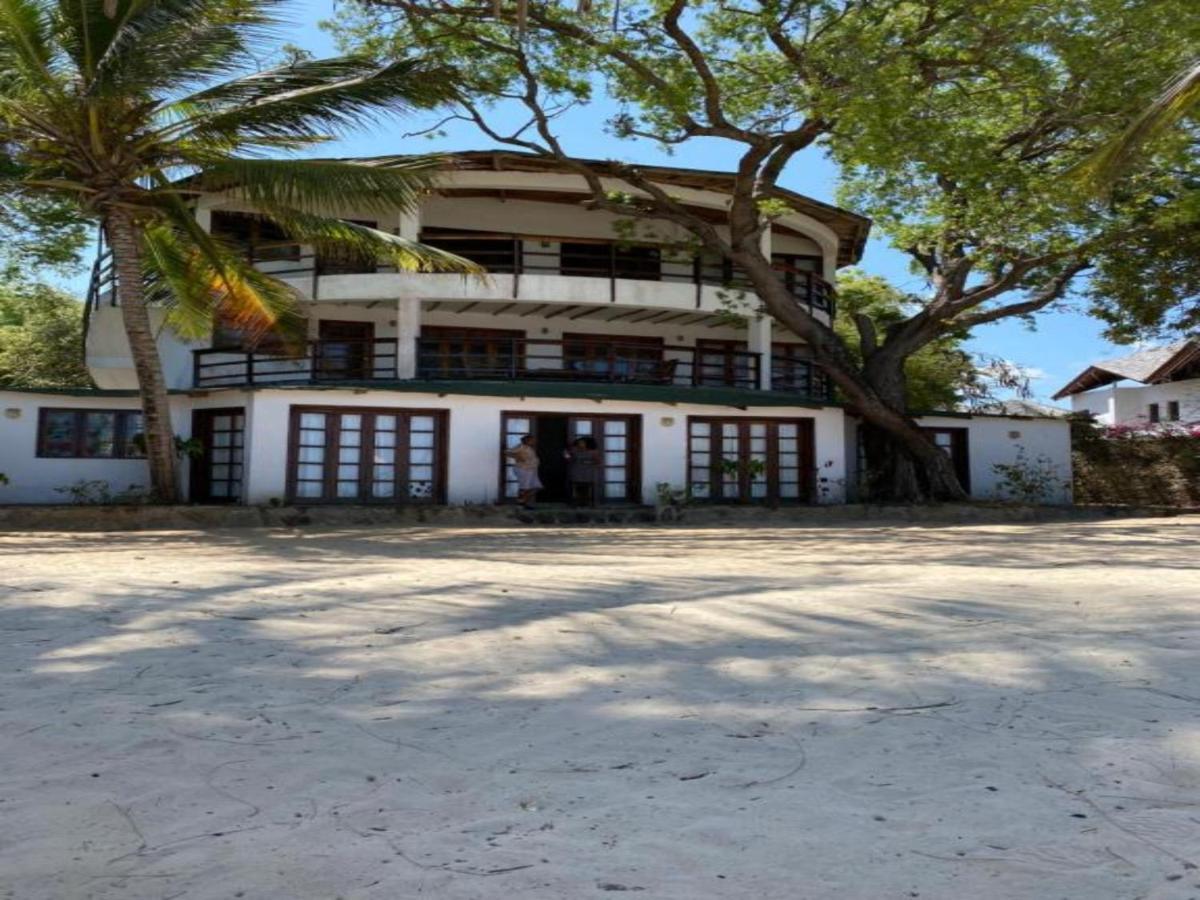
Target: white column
point(408, 329)
point(408, 225)
point(758, 340)
point(759, 337)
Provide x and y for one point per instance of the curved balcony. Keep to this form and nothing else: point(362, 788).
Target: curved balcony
point(530, 360)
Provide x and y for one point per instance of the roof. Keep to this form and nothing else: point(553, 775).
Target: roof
point(1029, 409)
point(1149, 366)
point(851, 228)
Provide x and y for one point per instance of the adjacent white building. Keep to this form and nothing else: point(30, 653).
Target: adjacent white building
point(413, 385)
point(1150, 387)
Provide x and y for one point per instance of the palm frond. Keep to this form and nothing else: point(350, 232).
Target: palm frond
point(1181, 95)
point(26, 54)
point(317, 185)
point(369, 244)
point(195, 284)
point(312, 97)
point(164, 45)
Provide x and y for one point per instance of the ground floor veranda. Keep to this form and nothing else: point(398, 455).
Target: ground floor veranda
point(445, 443)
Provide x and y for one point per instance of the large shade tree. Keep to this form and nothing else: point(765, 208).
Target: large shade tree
point(123, 111)
point(955, 122)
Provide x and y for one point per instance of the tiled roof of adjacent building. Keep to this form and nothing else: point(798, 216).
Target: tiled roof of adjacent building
point(1148, 366)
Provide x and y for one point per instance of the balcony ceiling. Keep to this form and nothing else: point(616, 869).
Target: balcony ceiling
point(568, 312)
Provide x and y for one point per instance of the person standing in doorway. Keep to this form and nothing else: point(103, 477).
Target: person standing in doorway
point(583, 471)
point(525, 465)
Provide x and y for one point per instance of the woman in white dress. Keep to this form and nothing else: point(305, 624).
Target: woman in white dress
point(525, 466)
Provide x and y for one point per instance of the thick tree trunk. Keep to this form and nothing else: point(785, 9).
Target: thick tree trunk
point(907, 466)
point(902, 467)
point(124, 237)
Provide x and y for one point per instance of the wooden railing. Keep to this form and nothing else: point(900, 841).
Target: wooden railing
point(509, 359)
point(511, 255)
point(317, 361)
point(615, 361)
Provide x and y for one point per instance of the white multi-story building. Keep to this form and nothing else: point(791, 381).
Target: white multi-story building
point(1165, 389)
point(413, 385)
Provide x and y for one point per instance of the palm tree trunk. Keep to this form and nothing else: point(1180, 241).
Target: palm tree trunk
point(124, 237)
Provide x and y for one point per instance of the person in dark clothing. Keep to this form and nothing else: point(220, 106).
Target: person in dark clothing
point(584, 470)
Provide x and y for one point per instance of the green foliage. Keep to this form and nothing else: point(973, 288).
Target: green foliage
point(939, 376)
point(41, 338)
point(1167, 467)
point(955, 124)
point(138, 105)
point(1149, 286)
point(1027, 479)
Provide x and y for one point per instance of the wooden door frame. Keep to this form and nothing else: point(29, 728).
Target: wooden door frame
point(441, 464)
point(805, 448)
point(960, 438)
point(199, 482)
point(633, 447)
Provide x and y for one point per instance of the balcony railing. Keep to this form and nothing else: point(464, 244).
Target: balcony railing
point(516, 359)
point(512, 255)
point(615, 361)
point(317, 362)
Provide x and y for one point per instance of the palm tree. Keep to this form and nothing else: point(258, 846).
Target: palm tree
point(1179, 96)
point(131, 108)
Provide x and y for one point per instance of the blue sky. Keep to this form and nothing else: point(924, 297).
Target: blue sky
point(1062, 344)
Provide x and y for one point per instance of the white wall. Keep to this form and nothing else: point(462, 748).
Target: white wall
point(999, 439)
point(474, 437)
point(1121, 405)
point(34, 480)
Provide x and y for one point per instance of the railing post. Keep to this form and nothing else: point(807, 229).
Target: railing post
point(195, 368)
point(250, 367)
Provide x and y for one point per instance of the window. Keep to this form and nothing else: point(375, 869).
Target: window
point(1173, 410)
point(744, 460)
point(354, 455)
point(90, 434)
point(261, 238)
point(955, 444)
point(227, 336)
point(498, 254)
point(616, 358)
point(1154, 414)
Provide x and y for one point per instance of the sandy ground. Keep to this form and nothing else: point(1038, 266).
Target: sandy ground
point(856, 712)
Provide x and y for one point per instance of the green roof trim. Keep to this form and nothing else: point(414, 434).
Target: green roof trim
point(647, 393)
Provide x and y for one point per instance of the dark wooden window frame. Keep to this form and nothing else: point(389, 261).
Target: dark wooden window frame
point(627, 343)
point(366, 364)
point(202, 430)
point(960, 451)
point(441, 419)
point(805, 444)
point(448, 333)
point(1154, 413)
point(1172, 410)
point(278, 246)
point(122, 435)
point(633, 447)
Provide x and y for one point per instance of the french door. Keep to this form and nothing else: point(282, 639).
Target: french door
point(618, 438)
point(216, 474)
point(750, 460)
point(358, 455)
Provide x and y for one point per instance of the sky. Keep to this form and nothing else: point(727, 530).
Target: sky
point(1062, 345)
